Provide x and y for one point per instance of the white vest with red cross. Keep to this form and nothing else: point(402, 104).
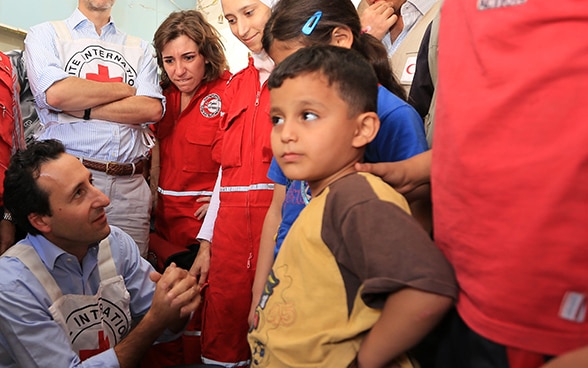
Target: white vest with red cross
point(97, 60)
point(94, 323)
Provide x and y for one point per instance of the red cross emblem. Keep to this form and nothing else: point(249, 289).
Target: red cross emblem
point(103, 75)
point(103, 345)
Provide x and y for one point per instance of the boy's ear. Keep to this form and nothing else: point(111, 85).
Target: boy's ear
point(368, 125)
point(40, 222)
point(342, 37)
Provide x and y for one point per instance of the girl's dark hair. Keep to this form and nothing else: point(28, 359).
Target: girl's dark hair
point(192, 24)
point(289, 17)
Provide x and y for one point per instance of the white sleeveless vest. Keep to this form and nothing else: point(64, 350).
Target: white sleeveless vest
point(94, 323)
point(98, 60)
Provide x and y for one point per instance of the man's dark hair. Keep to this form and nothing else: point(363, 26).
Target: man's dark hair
point(343, 68)
point(22, 194)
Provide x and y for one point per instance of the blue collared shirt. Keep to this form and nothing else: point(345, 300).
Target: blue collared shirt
point(29, 337)
point(106, 142)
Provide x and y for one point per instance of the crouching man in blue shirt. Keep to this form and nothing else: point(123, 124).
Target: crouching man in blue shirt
point(75, 292)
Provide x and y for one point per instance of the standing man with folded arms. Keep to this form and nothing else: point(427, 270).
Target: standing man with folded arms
point(96, 88)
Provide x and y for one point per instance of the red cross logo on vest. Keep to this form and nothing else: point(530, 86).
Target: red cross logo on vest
point(103, 75)
point(103, 345)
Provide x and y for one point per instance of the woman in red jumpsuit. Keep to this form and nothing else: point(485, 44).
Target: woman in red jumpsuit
point(243, 149)
point(194, 75)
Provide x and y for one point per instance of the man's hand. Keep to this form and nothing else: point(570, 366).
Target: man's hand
point(176, 295)
point(405, 176)
point(393, 173)
point(378, 18)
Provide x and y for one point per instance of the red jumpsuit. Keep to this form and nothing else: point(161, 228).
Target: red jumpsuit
point(187, 173)
point(243, 147)
point(11, 131)
point(187, 169)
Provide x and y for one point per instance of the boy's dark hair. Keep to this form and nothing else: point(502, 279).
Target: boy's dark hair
point(192, 24)
point(22, 194)
point(289, 17)
point(345, 69)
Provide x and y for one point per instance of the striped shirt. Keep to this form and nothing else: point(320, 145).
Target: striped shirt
point(412, 11)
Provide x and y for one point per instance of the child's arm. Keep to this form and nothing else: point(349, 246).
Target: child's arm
point(201, 264)
point(265, 258)
point(572, 359)
point(408, 315)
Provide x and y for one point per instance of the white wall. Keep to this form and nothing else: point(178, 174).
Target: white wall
point(236, 52)
point(137, 17)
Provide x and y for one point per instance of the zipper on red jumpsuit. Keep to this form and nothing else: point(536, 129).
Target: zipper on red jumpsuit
point(252, 162)
point(7, 70)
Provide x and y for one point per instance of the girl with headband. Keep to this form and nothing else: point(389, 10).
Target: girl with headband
point(230, 235)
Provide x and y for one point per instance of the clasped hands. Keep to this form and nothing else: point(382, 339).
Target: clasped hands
point(177, 294)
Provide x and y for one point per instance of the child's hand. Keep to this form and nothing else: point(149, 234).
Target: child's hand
point(201, 212)
point(201, 264)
